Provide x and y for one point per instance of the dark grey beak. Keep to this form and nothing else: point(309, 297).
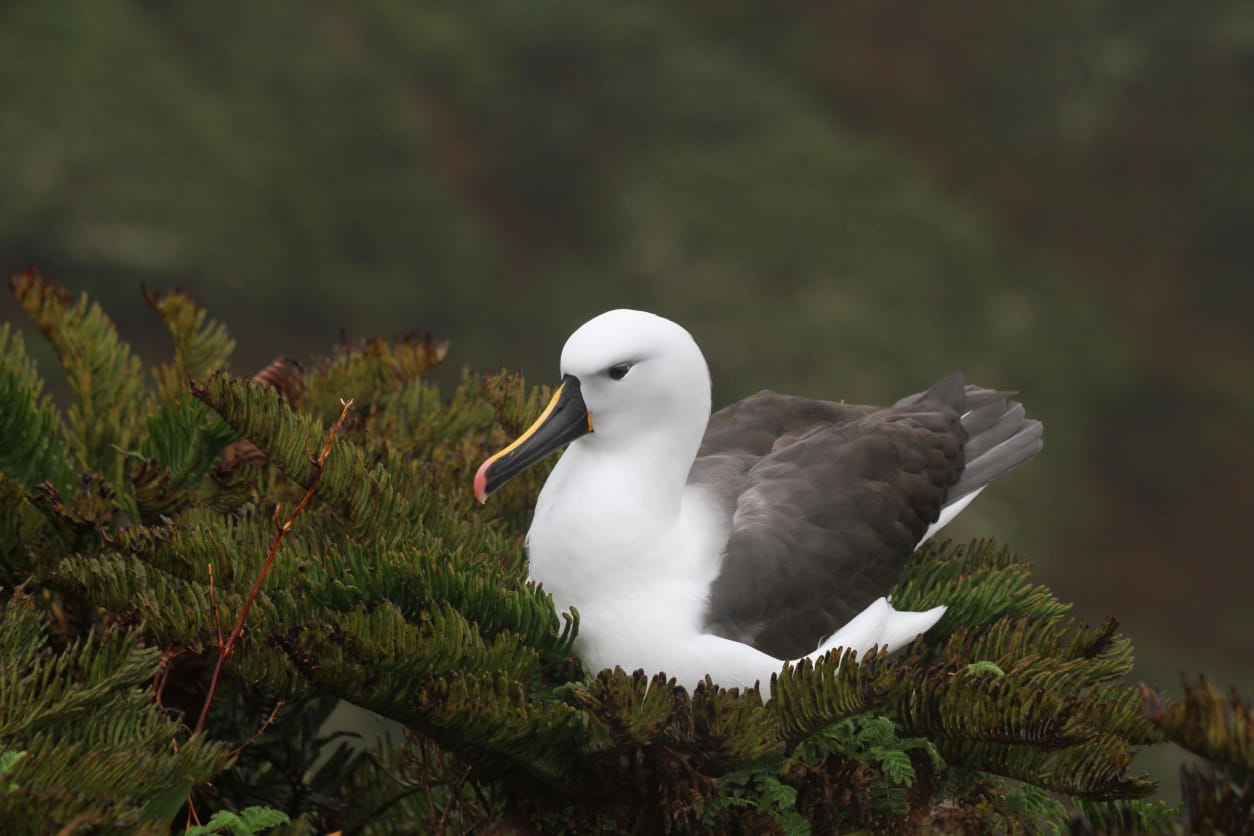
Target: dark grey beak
point(563, 420)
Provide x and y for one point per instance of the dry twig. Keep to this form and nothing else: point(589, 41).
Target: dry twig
point(283, 528)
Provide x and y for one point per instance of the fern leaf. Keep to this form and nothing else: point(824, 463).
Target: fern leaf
point(370, 371)
point(1127, 816)
point(1096, 769)
point(978, 582)
point(182, 443)
point(97, 749)
point(29, 424)
point(1215, 725)
point(809, 696)
point(22, 527)
point(109, 398)
point(202, 345)
point(363, 494)
point(249, 821)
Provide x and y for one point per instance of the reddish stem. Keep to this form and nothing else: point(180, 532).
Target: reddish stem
point(213, 604)
point(162, 675)
point(283, 529)
point(267, 724)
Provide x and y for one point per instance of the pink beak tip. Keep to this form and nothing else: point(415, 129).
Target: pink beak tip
point(481, 483)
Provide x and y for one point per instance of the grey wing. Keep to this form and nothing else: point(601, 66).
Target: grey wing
point(761, 422)
point(824, 518)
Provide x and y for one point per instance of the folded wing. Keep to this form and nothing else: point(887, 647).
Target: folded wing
point(827, 501)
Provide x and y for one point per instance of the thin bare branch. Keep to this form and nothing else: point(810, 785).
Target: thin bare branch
point(213, 604)
point(283, 529)
point(269, 721)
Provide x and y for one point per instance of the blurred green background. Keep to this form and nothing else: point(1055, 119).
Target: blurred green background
point(838, 200)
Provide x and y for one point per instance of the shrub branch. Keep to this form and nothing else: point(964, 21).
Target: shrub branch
point(282, 529)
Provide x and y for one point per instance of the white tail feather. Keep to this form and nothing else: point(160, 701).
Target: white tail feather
point(948, 513)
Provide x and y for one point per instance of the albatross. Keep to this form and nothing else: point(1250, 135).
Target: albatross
point(727, 544)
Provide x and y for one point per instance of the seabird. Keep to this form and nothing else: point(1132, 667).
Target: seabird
point(725, 545)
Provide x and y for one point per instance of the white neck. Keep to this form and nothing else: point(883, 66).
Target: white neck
point(610, 514)
point(644, 474)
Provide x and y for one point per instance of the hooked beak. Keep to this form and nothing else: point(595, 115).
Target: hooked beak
point(563, 420)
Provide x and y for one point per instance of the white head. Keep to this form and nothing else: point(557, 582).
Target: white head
point(632, 381)
point(639, 374)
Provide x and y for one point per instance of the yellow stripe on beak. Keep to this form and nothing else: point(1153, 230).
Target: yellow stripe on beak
point(563, 420)
point(535, 425)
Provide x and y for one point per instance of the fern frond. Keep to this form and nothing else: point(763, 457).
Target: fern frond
point(1095, 769)
point(628, 710)
point(202, 345)
point(109, 399)
point(33, 450)
point(1217, 726)
point(363, 493)
point(416, 576)
point(22, 527)
point(179, 613)
point(1127, 816)
point(809, 696)
point(730, 729)
point(181, 445)
point(394, 656)
point(978, 582)
point(491, 718)
point(961, 705)
point(370, 371)
point(97, 749)
point(1009, 639)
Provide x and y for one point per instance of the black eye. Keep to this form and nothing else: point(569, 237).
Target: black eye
point(619, 370)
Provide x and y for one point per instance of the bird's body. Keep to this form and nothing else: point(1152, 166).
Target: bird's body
point(724, 545)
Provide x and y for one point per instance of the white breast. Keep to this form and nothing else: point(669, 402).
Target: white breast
point(638, 581)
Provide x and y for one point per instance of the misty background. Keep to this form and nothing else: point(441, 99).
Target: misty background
point(844, 201)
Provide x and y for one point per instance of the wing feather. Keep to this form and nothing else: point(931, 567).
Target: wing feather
point(827, 502)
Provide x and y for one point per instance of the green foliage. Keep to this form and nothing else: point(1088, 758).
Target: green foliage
point(32, 451)
point(103, 375)
point(1218, 726)
point(9, 760)
point(874, 740)
point(1130, 816)
point(763, 793)
point(248, 821)
point(82, 740)
point(758, 175)
point(985, 667)
point(202, 345)
point(1218, 796)
point(1031, 805)
point(395, 592)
